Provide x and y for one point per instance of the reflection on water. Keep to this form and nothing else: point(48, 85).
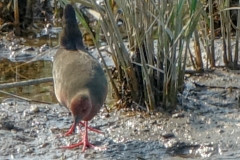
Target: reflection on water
point(21, 71)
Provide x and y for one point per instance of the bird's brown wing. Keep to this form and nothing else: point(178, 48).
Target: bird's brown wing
point(85, 72)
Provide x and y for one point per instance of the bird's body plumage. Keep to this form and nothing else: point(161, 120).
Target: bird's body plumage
point(86, 73)
point(79, 80)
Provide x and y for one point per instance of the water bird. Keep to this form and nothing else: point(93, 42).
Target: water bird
point(79, 80)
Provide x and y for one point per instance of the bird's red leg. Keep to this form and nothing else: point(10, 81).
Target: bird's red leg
point(85, 142)
point(92, 129)
point(71, 130)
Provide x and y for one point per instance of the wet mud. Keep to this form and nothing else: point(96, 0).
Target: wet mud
point(205, 126)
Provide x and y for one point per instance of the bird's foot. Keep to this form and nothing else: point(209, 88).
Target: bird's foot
point(88, 145)
point(85, 144)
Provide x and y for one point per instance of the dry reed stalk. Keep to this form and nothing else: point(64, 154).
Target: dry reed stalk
point(237, 38)
point(158, 35)
point(212, 34)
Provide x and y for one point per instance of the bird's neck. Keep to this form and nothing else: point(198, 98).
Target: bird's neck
point(71, 37)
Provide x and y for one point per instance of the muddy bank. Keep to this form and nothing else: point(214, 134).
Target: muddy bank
point(205, 126)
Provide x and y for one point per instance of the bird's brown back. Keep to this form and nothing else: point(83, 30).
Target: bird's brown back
point(76, 72)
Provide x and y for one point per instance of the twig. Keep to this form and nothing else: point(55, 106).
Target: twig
point(26, 83)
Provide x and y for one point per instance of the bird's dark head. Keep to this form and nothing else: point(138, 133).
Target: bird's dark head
point(80, 107)
point(71, 37)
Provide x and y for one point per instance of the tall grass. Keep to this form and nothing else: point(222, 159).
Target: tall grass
point(217, 19)
point(151, 69)
point(226, 30)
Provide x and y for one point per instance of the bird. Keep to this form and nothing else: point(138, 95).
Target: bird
point(80, 83)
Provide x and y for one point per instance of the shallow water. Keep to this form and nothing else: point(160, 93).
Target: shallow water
point(21, 71)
